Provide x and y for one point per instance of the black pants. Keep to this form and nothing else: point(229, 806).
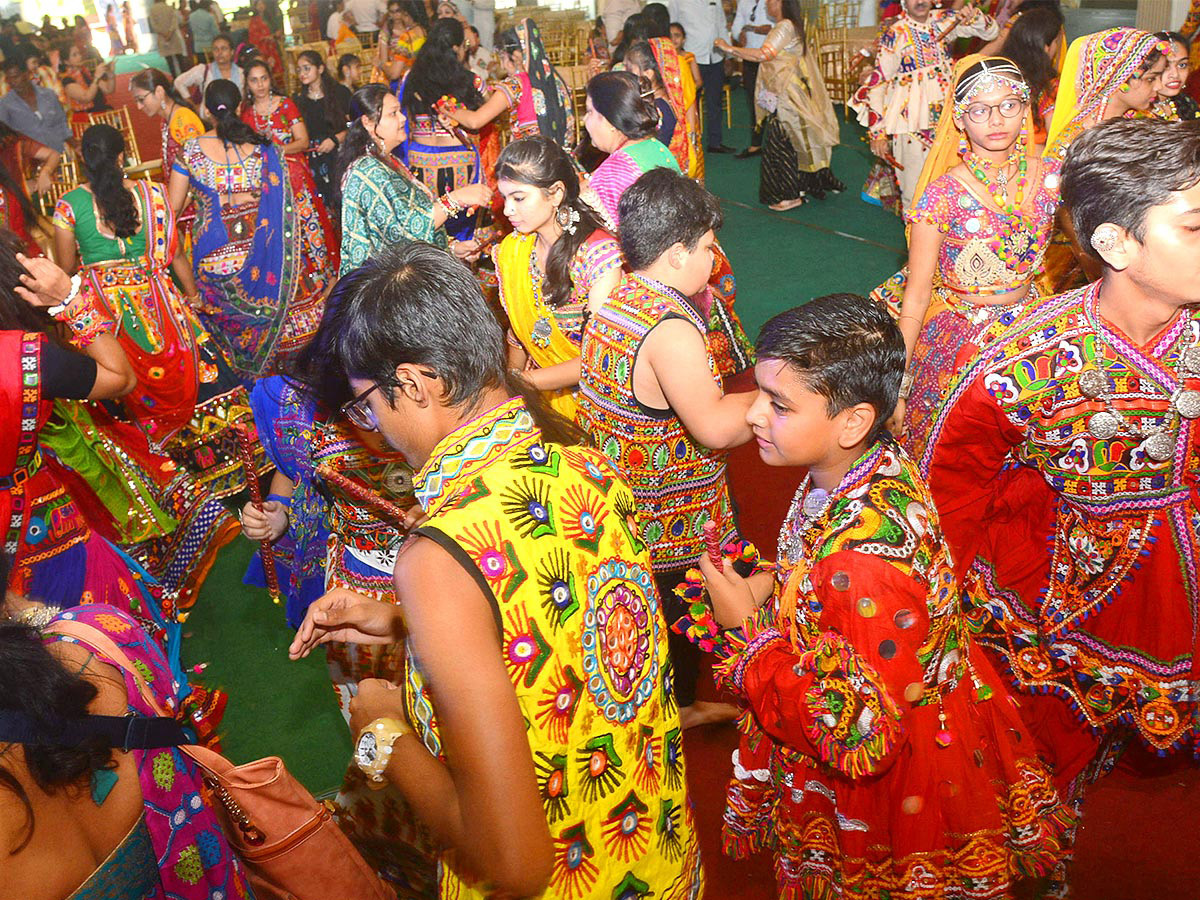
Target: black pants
point(685, 656)
point(749, 81)
point(177, 63)
point(712, 76)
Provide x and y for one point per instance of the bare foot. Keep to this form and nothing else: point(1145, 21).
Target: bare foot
point(703, 712)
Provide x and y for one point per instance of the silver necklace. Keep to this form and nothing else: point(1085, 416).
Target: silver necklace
point(808, 504)
point(1107, 423)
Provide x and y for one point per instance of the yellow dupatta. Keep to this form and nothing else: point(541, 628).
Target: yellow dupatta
point(522, 301)
point(1096, 66)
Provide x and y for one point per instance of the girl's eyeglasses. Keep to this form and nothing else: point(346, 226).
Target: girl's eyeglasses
point(1009, 108)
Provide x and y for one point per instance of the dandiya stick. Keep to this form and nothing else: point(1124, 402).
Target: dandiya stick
point(362, 494)
point(266, 551)
point(712, 545)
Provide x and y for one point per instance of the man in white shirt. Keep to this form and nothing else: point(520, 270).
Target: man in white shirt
point(704, 23)
point(751, 25)
point(367, 14)
point(614, 13)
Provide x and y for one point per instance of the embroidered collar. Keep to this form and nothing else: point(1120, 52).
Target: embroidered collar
point(470, 448)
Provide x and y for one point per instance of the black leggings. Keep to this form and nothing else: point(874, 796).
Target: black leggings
point(685, 656)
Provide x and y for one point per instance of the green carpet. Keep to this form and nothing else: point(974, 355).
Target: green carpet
point(780, 260)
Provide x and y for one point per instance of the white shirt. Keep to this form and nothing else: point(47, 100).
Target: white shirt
point(367, 13)
point(614, 14)
point(704, 22)
point(333, 26)
point(751, 12)
point(200, 75)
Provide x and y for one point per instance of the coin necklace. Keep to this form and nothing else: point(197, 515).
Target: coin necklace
point(1108, 422)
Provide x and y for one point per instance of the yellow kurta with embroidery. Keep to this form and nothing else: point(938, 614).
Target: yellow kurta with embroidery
point(549, 530)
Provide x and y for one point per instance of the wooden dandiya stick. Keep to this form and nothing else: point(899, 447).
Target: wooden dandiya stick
point(362, 494)
point(265, 549)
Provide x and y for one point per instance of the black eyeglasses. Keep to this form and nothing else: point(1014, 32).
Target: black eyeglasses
point(361, 414)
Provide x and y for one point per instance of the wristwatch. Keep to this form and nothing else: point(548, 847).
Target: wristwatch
point(374, 747)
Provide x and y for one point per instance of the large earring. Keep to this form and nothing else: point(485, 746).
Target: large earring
point(1104, 238)
point(566, 217)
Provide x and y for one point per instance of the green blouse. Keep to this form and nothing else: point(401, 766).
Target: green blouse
point(381, 207)
point(76, 212)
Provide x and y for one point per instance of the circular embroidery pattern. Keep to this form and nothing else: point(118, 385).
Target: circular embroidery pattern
point(620, 637)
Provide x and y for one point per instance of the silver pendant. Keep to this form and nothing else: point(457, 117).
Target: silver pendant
point(1190, 358)
point(815, 502)
point(1104, 425)
point(541, 332)
point(1160, 447)
point(1187, 404)
point(1092, 383)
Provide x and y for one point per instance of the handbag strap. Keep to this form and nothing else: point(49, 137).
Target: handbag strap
point(125, 732)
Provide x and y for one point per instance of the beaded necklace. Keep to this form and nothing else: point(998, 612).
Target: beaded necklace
point(1018, 241)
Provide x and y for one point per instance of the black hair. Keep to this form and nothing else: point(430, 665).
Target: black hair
point(417, 304)
point(18, 60)
point(845, 348)
point(14, 186)
point(636, 28)
point(1174, 37)
point(99, 150)
point(541, 162)
point(150, 80)
point(222, 36)
point(657, 19)
point(331, 100)
point(366, 101)
point(222, 100)
point(257, 63)
point(437, 72)
point(1026, 43)
point(346, 59)
point(317, 369)
point(660, 209)
point(33, 682)
point(679, 25)
point(642, 56)
point(791, 9)
point(618, 97)
point(15, 313)
point(1118, 170)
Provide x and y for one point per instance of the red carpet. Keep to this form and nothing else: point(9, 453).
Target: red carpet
point(1138, 839)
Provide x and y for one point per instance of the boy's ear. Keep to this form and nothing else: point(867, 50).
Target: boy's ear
point(857, 422)
point(677, 255)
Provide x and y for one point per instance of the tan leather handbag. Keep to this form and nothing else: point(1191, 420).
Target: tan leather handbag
point(288, 842)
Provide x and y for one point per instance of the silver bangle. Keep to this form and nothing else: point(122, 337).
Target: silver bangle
point(76, 282)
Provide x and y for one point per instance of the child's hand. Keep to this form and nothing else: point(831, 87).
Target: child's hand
point(267, 525)
point(731, 595)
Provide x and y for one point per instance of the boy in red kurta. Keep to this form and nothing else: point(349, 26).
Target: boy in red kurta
point(879, 757)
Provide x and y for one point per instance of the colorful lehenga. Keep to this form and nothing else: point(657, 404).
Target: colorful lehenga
point(278, 127)
point(56, 555)
point(186, 401)
point(441, 167)
point(183, 124)
point(880, 756)
point(551, 335)
point(262, 267)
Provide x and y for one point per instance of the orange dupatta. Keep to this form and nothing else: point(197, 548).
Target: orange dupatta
point(667, 58)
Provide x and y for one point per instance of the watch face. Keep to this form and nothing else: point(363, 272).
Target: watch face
point(368, 749)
